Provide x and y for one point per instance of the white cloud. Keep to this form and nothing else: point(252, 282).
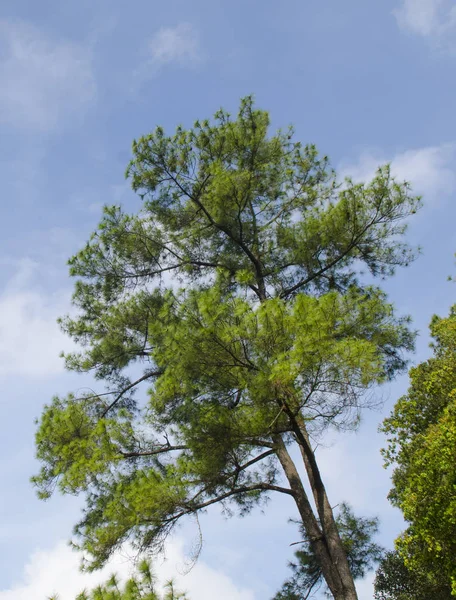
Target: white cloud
point(56, 571)
point(430, 170)
point(169, 45)
point(429, 18)
point(175, 44)
point(43, 80)
point(30, 339)
point(365, 587)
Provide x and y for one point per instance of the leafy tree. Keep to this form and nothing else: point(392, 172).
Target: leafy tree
point(362, 554)
point(236, 288)
point(422, 444)
point(395, 581)
point(139, 587)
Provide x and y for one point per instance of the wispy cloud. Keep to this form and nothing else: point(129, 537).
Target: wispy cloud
point(430, 170)
point(43, 80)
point(175, 44)
point(56, 571)
point(30, 339)
point(179, 45)
point(433, 19)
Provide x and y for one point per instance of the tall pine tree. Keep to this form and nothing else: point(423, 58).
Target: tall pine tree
point(237, 290)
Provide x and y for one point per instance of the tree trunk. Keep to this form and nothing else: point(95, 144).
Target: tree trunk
point(318, 537)
point(324, 509)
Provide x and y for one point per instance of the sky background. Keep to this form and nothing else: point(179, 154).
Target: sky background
point(368, 82)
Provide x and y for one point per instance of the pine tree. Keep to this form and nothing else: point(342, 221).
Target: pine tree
point(238, 289)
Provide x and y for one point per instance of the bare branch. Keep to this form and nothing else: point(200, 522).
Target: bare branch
point(129, 387)
point(240, 490)
point(160, 450)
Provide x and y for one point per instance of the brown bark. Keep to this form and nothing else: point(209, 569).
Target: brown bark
point(324, 509)
point(317, 537)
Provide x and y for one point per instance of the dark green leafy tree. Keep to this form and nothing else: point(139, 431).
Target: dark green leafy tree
point(362, 553)
point(236, 293)
point(141, 586)
point(422, 446)
point(395, 581)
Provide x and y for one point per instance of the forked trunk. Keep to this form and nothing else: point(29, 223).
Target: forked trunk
point(324, 538)
point(325, 512)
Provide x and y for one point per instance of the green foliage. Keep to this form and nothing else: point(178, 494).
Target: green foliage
point(395, 581)
point(237, 289)
point(141, 586)
point(362, 554)
point(422, 443)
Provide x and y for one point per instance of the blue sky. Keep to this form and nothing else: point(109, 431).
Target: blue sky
point(368, 82)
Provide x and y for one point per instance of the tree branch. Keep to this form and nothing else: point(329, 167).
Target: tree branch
point(160, 450)
point(129, 387)
point(196, 200)
point(354, 242)
point(241, 490)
